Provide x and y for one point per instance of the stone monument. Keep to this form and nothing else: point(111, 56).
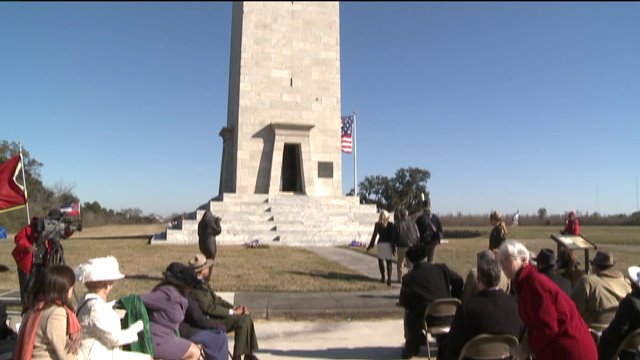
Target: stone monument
point(281, 169)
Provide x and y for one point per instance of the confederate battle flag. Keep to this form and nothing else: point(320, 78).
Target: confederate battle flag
point(12, 194)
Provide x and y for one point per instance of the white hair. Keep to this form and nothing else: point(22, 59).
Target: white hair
point(515, 249)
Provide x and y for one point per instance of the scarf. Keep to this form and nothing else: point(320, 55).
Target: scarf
point(27, 337)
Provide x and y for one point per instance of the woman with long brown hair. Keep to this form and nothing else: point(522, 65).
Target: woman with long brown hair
point(499, 231)
point(50, 329)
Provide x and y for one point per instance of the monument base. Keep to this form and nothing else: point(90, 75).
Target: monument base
point(283, 219)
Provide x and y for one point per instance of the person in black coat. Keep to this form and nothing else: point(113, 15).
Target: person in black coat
point(208, 228)
point(626, 320)
point(202, 330)
point(491, 311)
point(420, 287)
point(546, 264)
point(431, 233)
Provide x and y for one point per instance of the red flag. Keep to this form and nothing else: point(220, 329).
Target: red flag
point(12, 194)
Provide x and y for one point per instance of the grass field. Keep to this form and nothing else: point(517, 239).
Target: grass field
point(287, 269)
point(277, 268)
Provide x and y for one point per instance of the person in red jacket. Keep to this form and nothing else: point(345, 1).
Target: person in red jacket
point(571, 225)
point(23, 254)
point(555, 328)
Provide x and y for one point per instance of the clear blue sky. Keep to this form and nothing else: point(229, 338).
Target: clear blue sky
point(508, 105)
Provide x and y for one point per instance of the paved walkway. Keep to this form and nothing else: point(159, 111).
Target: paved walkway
point(335, 305)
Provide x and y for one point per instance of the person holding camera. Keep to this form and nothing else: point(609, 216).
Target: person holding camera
point(208, 228)
point(23, 254)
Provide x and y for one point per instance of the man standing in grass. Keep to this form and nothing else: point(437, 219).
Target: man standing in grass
point(234, 318)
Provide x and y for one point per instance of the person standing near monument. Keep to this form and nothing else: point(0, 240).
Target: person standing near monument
point(499, 231)
point(407, 235)
point(571, 225)
point(431, 233)
point(208, 228)
point(385, 232)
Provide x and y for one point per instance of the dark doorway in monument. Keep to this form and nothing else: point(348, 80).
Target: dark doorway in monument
point(291, 177)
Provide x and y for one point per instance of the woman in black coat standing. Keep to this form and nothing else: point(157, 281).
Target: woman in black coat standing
point(208, 229)
point(385, 230)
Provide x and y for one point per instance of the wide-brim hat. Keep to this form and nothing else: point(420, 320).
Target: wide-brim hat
point(181, 275)
point(199, 262)
point(416, 253)
point(545, 259)
point(634, 274)
point(99, 269)
point(603, 259)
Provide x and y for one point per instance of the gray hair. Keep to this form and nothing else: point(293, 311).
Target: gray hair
point(514, 249)
point(489, 272)
point(484, 255)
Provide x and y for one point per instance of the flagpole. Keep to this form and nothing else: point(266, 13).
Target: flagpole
point(355, 158)
point(24, 183)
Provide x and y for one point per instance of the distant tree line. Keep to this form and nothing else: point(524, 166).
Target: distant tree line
point(43, 198)
point(542, 218)
point(406, 187)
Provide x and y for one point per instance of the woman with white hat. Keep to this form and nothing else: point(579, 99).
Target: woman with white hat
point(102, 334)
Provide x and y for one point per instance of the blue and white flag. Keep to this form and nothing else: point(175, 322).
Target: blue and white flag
point(516, 218)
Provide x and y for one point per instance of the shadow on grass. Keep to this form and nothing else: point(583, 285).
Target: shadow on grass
point(144, 277)
point(334, 276)
point(371, 352)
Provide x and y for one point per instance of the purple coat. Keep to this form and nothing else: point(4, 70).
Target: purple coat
point(166, 307)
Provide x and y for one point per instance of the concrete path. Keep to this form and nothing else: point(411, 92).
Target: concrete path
point(375, 339)
point(361, 263)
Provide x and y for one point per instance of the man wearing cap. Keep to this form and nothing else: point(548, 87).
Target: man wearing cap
point(421, 286)
point(602, 290)
point(430, 229)
point(546, 264)
point(236, 319)
point(626, 320)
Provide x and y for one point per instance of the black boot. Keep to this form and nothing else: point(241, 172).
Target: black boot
point(381, 267)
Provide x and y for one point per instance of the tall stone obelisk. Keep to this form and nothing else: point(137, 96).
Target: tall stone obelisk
point(283, 121)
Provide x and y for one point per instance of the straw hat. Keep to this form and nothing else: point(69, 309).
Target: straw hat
point(199, 262)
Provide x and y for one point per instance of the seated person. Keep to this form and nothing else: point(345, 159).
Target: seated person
point(199, 328)
point(166, 305)
point(233, 318)
point(50, 328)
point(491, 311)
point(421, 286)
point(101, 332)
point(626, 321)
point(470, 283)
point(568, 266)
point(601, 290)
point(546, 264)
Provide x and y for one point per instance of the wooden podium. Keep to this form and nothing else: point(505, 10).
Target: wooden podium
point(575, 242)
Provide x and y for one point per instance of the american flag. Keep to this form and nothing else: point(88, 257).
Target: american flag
point(347, 131)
